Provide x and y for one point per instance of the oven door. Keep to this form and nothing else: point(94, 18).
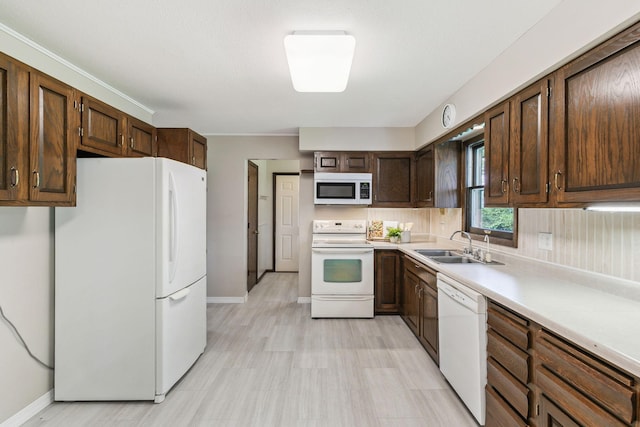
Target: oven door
point(342, 271)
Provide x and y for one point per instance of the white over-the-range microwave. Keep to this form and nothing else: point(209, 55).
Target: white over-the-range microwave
point(332, 188)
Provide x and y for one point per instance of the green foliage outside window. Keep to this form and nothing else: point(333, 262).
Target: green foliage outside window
point(497, 219)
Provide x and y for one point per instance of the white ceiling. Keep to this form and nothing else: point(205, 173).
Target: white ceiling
point(219, 67)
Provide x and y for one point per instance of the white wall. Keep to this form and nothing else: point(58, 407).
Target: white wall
point(357, 139)
point(569, 29)
point(26, 297)
point(227, 204)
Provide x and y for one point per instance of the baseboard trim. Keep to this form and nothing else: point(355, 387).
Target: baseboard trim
point(304, 300)
point(30, 410)
point(228, 300)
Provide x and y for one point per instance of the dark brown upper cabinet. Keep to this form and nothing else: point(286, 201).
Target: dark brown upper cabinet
point(393, 179)
point(342, 161)
point(438, 175)
point(183, 145)
point(529, 142)
point(53, 141)
point(14, 131)
point(103, 128)
point(496, 146)
point(595, 151)
point(425, 178)
point(110, 132)
point(517, 149)
point(142, 138)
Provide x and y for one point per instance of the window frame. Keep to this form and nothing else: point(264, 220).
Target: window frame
point(469, 184)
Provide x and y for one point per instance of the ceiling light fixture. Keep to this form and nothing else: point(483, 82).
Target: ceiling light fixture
point(319, 61)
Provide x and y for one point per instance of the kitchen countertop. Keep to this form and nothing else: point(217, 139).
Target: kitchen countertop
point(599, 313)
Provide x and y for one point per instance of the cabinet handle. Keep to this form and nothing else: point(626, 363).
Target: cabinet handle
point(516, 185)
point(121, 139)
point(504, 186)
point(131, 143)
point(555, 179)
point(430, 196)
point(15, 177)
point(415, 290)
point(420, 293)
point(36, 175)
point(193, 160)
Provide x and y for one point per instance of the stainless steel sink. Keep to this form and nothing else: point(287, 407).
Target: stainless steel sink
point(455, 259)
point(446, 256)
point(437, 252)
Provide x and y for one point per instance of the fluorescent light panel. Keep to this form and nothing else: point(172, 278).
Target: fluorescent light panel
point(614, 208)
point(319, 61)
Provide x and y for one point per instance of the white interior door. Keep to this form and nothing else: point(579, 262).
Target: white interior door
point(287, 225)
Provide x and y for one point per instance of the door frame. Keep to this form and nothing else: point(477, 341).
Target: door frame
point(273, 215)
point(251, 165)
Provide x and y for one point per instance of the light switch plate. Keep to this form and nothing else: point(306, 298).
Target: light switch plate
point(545, 241)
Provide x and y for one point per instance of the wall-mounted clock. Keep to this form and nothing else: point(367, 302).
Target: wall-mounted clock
point(448, 115)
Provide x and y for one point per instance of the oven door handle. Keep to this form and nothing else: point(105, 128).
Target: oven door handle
point(340, 251)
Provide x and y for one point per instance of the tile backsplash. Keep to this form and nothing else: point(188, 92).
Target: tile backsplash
point(600, 242)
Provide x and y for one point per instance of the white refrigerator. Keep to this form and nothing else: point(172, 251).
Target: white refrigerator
point(130, 279)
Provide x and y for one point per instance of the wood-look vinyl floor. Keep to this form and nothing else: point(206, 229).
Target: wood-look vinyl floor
point(267, 363)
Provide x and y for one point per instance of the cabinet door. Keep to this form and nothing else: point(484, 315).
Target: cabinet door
point(410, 284)
point(552, 416)
point(392, 179)
point(429, 319)
point(387, 282)
point(53, 141)
point(198, 150)
point(529, 168)
point(326, 161)
point(356, 162)
point(496, 146)
point(447, 174)
point(103, 128)
point(14, 130)
point(425, 178)
point(141, 138)
point(597, 124)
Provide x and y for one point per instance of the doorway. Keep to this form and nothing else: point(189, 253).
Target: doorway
point(286, 222)
point(252, 226)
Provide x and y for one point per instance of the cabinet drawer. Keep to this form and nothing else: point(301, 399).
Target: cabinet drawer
point(509, 325)
point(577, 406)
point(589, 376)
point(512, 390)
point(499, 413)
point(509, 356)
point(423, 272)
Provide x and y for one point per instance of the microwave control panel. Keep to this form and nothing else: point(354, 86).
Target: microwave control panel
point(365, 191)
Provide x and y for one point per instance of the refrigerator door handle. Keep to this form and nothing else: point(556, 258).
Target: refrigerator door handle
point(180, 294)
point(173, 224)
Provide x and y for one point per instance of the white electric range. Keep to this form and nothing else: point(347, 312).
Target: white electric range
point(341, 269)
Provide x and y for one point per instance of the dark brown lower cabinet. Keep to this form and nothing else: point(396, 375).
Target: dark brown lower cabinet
point(420, 304)
point(537, 378)
point(387, 281)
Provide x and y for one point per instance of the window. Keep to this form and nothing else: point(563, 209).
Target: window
point(499, 223)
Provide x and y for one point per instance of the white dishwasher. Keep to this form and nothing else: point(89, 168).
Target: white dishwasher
point(462, 317)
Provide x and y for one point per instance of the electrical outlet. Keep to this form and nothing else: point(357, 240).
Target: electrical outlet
point(545, 241)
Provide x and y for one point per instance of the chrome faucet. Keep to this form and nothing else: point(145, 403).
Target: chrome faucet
point(468, 250)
